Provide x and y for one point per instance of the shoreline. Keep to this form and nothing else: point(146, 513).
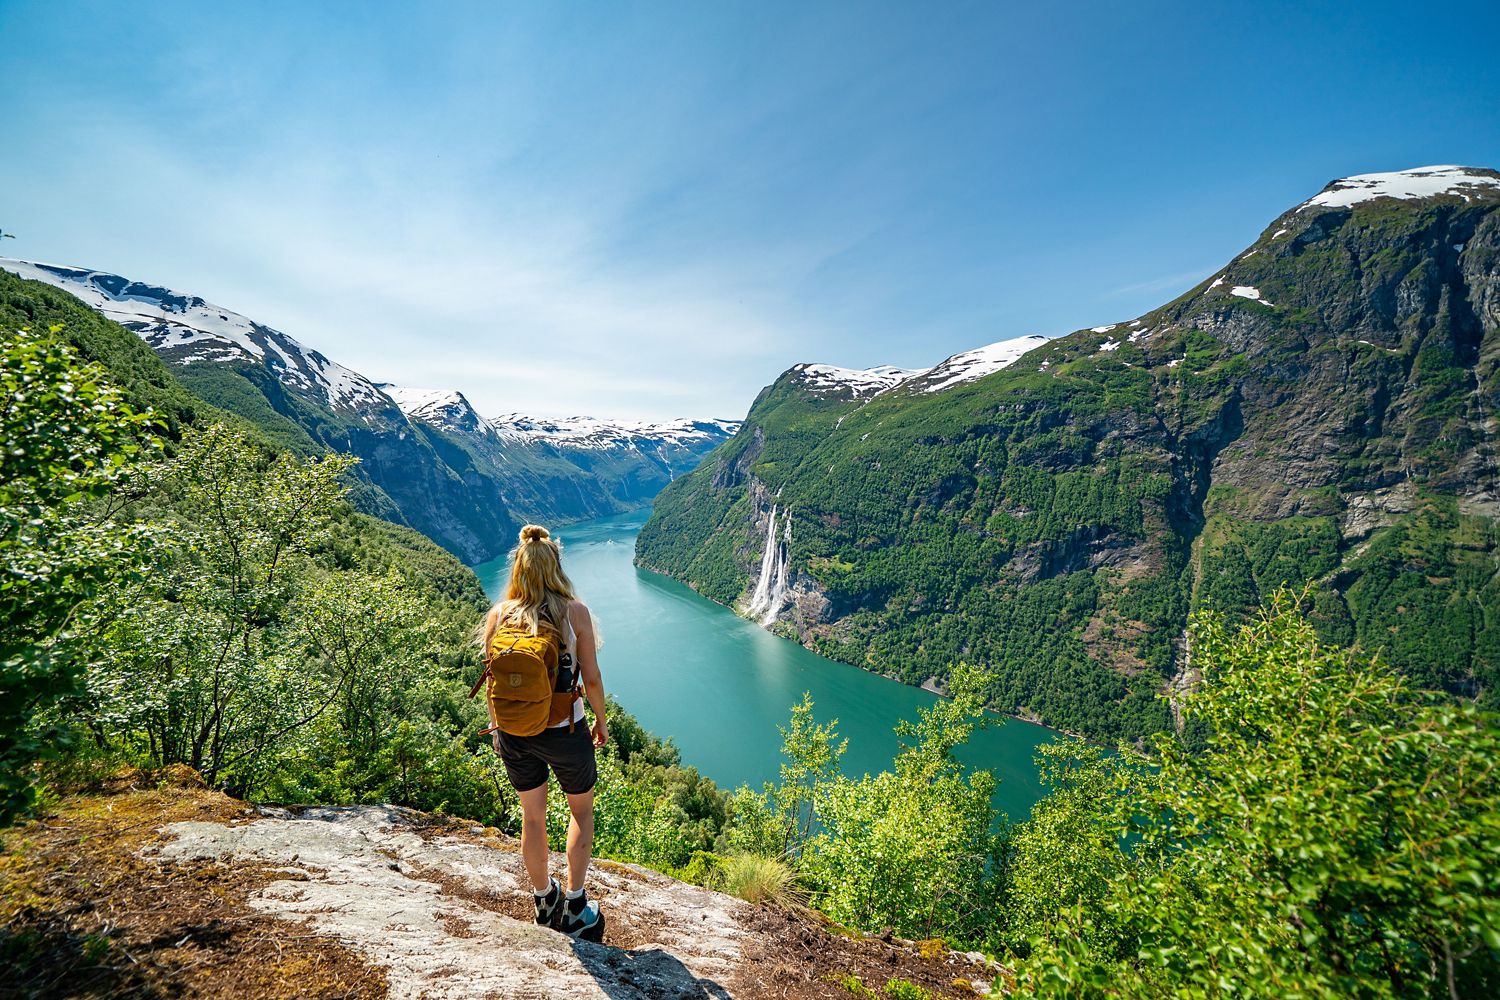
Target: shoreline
point(930, 685)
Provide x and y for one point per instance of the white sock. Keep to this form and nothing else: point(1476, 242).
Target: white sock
point(545, 892)
point(574, 893)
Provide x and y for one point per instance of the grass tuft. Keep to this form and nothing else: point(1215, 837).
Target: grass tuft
point(757, 878)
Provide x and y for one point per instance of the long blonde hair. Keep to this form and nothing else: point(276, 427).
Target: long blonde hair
point(537, 581)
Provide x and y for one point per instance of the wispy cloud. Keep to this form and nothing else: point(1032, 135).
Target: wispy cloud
point(519, 306)
point(652, 209)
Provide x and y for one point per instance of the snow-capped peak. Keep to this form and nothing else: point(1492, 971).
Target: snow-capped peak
point(446, 409)
point(591, 432)
point(602, 435)
point(449, 410)
point(864, 383)
point(187, 329)
point(1419, 182)
point(861, 382)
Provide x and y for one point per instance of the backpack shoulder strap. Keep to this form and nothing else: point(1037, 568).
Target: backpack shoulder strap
point(483, 674)
point(544, 614)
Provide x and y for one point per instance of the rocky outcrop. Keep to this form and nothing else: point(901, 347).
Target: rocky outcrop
point(157, 886)
point(443, 912)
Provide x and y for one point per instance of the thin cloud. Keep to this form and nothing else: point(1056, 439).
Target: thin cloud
point(511, 307)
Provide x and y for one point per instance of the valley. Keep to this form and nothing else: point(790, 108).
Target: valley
point(721, 686)
point(427, 460)
point(1317, 413)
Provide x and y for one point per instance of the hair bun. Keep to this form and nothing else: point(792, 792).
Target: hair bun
point(533, 533)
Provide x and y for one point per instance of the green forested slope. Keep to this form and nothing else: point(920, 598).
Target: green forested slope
point(1320, 411)
point(213, 600)
point(449, 474)
point(147, 382)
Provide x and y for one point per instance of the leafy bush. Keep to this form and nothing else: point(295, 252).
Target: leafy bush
point(1062, 857)
point(912, 848)
point(1336, 837)
point(903, 989)
point(69, 439)
point(703, 868)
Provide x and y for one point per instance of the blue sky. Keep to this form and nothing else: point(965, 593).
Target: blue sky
point(650, 210)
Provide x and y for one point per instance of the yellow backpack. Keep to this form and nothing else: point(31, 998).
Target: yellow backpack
point(522, 670)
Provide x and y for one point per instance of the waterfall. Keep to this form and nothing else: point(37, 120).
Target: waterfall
point(771, 588)
point(762, 594)
point(777, 597)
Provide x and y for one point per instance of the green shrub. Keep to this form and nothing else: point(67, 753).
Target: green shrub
point(1335, 837)
point(704, 868)
point(852, 985)
point(69, 440)
point(902, 989)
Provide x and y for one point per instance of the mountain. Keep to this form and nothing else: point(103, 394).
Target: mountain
point(865, 383)
point(1319, 411)
point(563, 469)
point(426, 459)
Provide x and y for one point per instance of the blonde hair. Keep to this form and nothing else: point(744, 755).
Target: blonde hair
point(537, 582)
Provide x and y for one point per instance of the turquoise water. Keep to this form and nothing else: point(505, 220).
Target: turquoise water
point(719, 685)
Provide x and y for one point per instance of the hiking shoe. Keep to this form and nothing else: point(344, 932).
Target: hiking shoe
point(549, 906)
point(581, 918)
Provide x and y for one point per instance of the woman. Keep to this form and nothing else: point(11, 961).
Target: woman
point(539, 601)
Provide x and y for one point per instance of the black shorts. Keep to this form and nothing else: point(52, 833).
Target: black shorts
point(570, 755)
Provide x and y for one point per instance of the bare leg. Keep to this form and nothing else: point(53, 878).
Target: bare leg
point(580, 838)
point(534, 836)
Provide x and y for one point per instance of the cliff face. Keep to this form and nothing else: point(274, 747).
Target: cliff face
point(1320, 410)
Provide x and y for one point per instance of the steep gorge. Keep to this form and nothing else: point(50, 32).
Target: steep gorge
point(1319, 411)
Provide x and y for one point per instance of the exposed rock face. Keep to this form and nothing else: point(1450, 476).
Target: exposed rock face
point(1320, 411)
point(366, 876)
point(444, 912)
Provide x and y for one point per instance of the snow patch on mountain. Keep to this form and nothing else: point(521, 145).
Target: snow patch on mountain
point(862, 382)
point(449, 410)
point(971, 365)
point(173, 322)
point(591, 432)
point(446, 409)
point(866, 383)
point(1419, 182)
point(1248, 292)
